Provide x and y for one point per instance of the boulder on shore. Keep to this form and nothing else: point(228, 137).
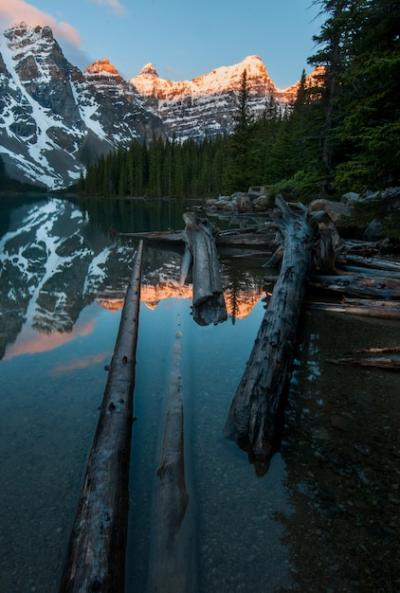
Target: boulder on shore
point(335, 210)
point(263, 202)
point(374, 230)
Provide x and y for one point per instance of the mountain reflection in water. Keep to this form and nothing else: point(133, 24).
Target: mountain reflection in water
point(58, 261)
point(324, 519)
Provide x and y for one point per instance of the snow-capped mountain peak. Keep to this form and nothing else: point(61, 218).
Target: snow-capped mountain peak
point(149, 70)
point(54, 118)
point(102, 67)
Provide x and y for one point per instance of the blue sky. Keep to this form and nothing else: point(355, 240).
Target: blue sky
point(185, 38)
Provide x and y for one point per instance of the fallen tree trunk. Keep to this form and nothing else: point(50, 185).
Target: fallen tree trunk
point(252, 419)
point(391, 363)
point(359, 286)
point(365, 248)
point(208, 296)
point(378, 273)
point(373, 262)
point(96, 553)
point(368, 310)
point(172, 567)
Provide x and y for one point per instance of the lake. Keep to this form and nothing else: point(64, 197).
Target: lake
point(324, 518)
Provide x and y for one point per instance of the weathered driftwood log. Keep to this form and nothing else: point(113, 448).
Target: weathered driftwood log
point(359, 286)
point(365, 248)
point(391, 349)
point(96, 554)
point(373, 262)
point(369, 309)
point(379, 273)
point(390, 363)
point(202, 258)
point(172, 567)
point(252, 419)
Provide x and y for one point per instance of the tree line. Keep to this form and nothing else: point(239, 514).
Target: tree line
point(341, 133)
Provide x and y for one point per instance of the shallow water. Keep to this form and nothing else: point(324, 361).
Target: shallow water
point(324, 518)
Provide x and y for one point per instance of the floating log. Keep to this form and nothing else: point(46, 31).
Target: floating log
point(253, 415)
point(172, 567)
point(169, 236)
point(96, 553)
point(359, 286)
point(237, 239)
point(202, 257)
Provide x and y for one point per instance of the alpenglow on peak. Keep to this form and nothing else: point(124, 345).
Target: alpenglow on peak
point(149, 70)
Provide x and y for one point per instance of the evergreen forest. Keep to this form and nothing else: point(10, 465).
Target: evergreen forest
point(341, 133)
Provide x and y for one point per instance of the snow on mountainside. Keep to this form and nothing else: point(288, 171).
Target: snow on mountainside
point(204, 105)
point(54, 118)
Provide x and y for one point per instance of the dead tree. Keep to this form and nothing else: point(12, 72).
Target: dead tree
point(96, 554)
point(356, 285)
point(252, 419)
point(201, 258)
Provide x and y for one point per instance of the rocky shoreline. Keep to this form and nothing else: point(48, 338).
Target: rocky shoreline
point(370, 215)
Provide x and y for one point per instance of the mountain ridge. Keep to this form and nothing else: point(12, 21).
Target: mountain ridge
point(55, 118)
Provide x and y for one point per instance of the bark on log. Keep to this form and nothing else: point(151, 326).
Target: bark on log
point(172, 567)
point(96, 554)
point(359, 286)
point(208, 296)
point(252, 419)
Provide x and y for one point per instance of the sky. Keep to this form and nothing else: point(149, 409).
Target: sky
point(182, 38)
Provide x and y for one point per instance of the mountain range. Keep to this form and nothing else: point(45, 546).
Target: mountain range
point(55, 118)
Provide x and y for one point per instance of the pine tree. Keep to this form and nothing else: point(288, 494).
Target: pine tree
point(238, 174)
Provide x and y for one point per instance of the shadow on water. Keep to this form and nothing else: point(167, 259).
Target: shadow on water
point(324, 517)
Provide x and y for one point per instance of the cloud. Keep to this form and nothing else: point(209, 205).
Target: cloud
point(15, 11)
point(115, 5)
point(36, 343)
point(80, 363)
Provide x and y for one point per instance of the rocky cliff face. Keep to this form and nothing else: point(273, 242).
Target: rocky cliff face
point(53, 117)
point(205, 105)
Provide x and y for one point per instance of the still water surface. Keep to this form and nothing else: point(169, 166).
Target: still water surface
point(324, 518)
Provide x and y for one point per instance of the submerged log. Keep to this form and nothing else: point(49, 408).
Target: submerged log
point(202, 257)
point(253, 415)
point(172, 567)
point(96, 553)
